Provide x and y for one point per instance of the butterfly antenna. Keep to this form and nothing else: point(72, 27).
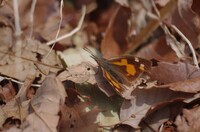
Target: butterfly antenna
point(91, 53)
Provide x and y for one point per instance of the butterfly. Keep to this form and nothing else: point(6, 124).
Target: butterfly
point(123, 72)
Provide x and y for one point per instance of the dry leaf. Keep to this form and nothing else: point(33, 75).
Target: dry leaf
point(113, 39)
point(133, 111)
point(161, 2)
point(8, 90)
point(75, 56)
point(10, 123)
point(22, 94)
point(31, 56)
point(158, 50)
point(178, 77)
point(81, 73)
point(75, 117)
point(12, 109)
point(45, 106)
point(165, 111)
point(18, 106)
point(189, 120)
point(145, 33)
point(195, 6)
point(187, 21)
point(165, 72)
point(122, 2)
point(41, 14)
point(108, 106)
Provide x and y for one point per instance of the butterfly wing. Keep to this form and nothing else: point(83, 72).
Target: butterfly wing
point(123, 71)
point(131, 67)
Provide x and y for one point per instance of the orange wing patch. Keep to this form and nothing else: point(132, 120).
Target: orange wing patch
point(114, 83)
point(130, 69)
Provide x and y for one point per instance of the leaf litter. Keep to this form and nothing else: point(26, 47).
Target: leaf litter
point(35, 94)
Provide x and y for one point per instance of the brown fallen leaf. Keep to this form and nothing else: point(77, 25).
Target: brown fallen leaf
point(75, 117)
point(144, 34)
point(17, 107)
point(158, 117)
point(180, 76)
point(195, 6)
point(8, 90)
point(45, 106)
point(10, 123)
point(32, 60)
point(133, 111)
point(189, 120)
point(166, 72)
point(189, 86)
point(116, 35)
point(158, 50)
point(24, 89)
point(41, 13)
point(187, 21)
point(167, 111)
point(81, 73)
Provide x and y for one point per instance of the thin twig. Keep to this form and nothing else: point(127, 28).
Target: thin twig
point(151, 26)
point(32, 10)
point(175, 46)
point(189, 44)
point(155, 8)
point(18, 41)
point(162, 24)
point(73, 31)
point(17, 19)
point(59, 26)
point(19, 82)
point(27, 59)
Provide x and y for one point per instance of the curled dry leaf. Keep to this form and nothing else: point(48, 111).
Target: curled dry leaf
point(160, 114)
point(153, 24)
point(49, 31)
point(11, 122)
point(177, 76)
point(41, 13)
point(122, 2)
point(116, 35)
point(8, 90)
point(108, 106)
point(189, 86)
point(133, 111)
point(161, 2)
point(17, 107)
point(22, 94)
point(166, 72)
point(168, 111)
point(158, 50)
point(195, 6)
point(75, 56)
point(81, 73)
point(32, 61)
point(189, 120)
point(187, 21)
point(46, 105)
point(75, 117)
